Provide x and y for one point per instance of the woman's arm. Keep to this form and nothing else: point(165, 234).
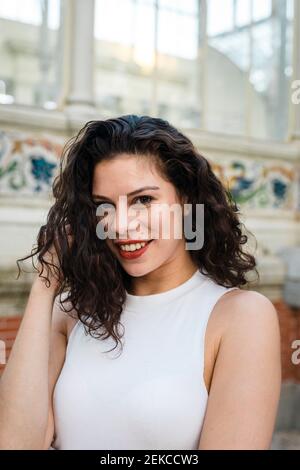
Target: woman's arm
point(58, 344)
point(35, 361)
point(24, 397)
point(245, 387)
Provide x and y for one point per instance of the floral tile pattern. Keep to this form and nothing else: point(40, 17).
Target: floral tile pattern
point(29, 164)
point(260, 184)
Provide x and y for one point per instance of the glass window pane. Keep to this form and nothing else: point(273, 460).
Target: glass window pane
point(124, 56)
point(226, 67)
point(290, 9)
point(249, 69)
point(220, 16)
point(136, 72)
point(261, 9)
point(24, 12)
point(170, 42)
point(113, 21)
point(234, 82)
point(271, 73)
point(184, 6)
point(178, 69)
point(243, 12)
point(235, 46)
point(30, 48)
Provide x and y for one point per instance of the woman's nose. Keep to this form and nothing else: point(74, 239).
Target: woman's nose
point(120, 223)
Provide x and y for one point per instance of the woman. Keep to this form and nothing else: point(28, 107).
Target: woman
point(198, 363)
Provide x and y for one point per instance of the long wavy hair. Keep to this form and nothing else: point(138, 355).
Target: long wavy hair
point(91, 278)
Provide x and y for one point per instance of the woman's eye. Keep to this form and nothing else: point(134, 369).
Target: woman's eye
point(144, 199)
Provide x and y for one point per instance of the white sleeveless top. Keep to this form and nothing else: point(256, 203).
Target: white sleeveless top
point(150, 395)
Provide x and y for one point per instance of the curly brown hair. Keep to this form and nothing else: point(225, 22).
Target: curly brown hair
point(90, 275)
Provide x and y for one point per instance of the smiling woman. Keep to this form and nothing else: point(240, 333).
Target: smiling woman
point(199, 363)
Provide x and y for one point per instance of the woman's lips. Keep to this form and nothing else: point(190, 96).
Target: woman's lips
point(133, 254)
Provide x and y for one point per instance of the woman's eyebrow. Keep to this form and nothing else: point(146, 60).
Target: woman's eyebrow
point(136, 191)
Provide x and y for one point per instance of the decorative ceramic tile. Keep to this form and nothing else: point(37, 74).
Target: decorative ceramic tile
point(259, 184)
point(27, 164)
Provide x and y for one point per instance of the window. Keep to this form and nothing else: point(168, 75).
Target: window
point(250, 68)
point(147, 56)
point(224, 66)
point(30, 45)
point(218, 65)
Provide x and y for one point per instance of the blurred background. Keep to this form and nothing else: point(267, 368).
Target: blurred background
point(223, 71)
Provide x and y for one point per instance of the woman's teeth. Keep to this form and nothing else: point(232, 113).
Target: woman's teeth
point(132, 247)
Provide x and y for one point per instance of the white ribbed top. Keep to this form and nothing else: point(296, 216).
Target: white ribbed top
point(151, 394)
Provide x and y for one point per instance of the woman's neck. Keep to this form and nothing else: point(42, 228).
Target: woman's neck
point(162, 279)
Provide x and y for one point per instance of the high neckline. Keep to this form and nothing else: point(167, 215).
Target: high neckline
point(147, 302)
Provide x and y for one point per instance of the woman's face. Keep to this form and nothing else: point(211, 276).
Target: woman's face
point(147, 214)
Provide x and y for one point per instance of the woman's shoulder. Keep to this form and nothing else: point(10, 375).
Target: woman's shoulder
point(244, 312)
point(241, 320)
point(248, 301)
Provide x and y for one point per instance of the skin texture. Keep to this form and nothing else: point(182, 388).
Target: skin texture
point(242, 353)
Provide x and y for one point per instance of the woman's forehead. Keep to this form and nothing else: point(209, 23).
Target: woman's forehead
point(125, 175)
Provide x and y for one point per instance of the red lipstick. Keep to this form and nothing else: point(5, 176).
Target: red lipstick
point(132, 254)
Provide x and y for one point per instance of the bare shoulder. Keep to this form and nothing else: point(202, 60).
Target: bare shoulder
point(246, 378)
point(246, 310)
point(240, 318)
